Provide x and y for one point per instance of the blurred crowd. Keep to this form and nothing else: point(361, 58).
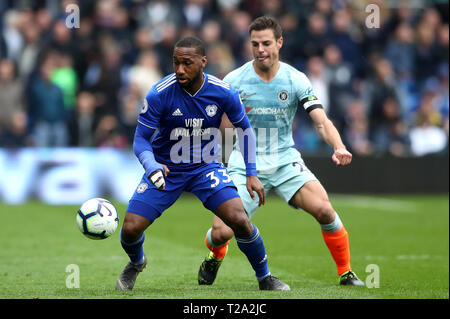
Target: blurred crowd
point(386, 89)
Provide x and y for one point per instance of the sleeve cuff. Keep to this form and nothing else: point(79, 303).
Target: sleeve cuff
point(250, 169)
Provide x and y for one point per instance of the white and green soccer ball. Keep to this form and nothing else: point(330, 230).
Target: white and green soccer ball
point(97, 218)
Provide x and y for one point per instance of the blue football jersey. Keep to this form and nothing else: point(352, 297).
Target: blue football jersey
point(188, 125)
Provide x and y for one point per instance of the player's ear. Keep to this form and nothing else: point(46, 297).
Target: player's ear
point(280, 43)
point(204, 61)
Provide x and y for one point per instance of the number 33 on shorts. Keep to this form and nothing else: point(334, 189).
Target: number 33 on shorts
point(217, 176)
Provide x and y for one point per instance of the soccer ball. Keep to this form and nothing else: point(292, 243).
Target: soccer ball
point(97, 218)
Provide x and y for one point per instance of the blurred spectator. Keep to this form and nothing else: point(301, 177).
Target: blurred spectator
point(109, 133)
point(427, 111)
point(426, 56)
point(164, 47)
point(16, 135)
point(220, 60)
point(115, 19)
point(238, 37)
point(390, 135)
point(62, 39)
point(82, 123)
point(220, 56)
point(43, 20)
point(290, 25)
point(431, 19)
point(443, 42)
point(104, 76)
point(356, 131)
point(154, 14)
point(131, 104)
point(325, 7)
point(46, 107)
point(346, 37)
point(427, 138)
point(211, 32)
point(142, 41)
point(86, 39)
point(273, 8)
point(339, 75)
point(28, 58)
point(400, 51)
point(11, 94)
point(65, 77)
point(319, 80)
point(381, 87)
point(11, 34)
point(195, 12)
point(315, 37)
point(436, 90)
point(145, 73)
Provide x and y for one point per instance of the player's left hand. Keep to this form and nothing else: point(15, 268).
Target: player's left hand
point(254, 184)
point(157, 178)
point(342, 157)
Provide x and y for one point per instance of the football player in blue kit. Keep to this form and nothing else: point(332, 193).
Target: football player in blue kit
point(182, 114)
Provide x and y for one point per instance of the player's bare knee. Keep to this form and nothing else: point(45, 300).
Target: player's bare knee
point(325, 213)
point(221, 234)
point(243, 226)
point(131, 230)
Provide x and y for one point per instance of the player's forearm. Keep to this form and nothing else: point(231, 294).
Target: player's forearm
point(330, 134)
point(144, 151)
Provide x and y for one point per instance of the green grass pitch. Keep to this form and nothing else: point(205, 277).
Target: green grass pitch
point(405, 237)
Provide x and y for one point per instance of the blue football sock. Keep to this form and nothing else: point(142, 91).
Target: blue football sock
point(253, 247)
point(134, 250)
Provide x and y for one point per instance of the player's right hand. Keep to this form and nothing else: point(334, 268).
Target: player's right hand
point(341, 157)
point(254, 184)
point(157, 178)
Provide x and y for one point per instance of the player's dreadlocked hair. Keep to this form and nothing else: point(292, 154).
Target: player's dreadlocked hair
point(263, 23)
point(192, 42)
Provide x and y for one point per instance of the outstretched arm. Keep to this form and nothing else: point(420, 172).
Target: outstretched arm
point(331, 136)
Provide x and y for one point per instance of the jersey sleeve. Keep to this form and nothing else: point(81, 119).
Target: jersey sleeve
point(305, 93)
point(148, 123)
point(234, 108)
point(151, 111)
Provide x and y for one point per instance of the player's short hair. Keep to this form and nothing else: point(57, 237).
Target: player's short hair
point(263, 23)
point(192, 42)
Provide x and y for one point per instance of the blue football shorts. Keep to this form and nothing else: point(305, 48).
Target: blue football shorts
point(210, 183)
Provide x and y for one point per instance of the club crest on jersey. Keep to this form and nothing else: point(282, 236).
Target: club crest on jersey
point(211, 110)
point(283, 95)
point(142, 188)
point(144, 107)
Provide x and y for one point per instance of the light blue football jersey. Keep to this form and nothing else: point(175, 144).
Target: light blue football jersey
point(271, 108)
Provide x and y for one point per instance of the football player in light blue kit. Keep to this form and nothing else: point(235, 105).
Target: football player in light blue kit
point(176, 142)
point(272, 91)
